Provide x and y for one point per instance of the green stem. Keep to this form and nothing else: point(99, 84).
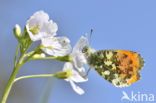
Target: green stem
point(37, 58)
point(15, 60)
point(34, 76)
point(29, 58)
point(11, 80)
point(67, 58)
point(29, 54)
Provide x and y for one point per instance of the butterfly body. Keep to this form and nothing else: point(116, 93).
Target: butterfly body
point(119, 67)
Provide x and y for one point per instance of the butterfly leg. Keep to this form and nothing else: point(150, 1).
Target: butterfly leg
point(87, 73)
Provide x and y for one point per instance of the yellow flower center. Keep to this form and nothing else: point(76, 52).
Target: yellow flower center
point(34, 29)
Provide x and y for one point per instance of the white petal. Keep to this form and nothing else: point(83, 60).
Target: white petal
point(78, 59)
point(79, 44)
point(77, 75)
point(39, 17)
point(76, 88)
point(67, 65)
point(48, 28)
point(42, 55)
point(59, 46)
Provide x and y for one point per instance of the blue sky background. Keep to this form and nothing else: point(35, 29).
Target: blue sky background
point(118, 24)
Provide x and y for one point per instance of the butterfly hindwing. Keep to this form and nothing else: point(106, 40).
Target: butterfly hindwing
point(119, 67)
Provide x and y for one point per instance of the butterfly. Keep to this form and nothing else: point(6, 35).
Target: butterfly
point(119, 67)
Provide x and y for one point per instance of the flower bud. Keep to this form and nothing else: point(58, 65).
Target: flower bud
point(63, 74)
point(39, 55)
point(17, 31)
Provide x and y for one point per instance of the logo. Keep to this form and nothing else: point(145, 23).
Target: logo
point(137, 97)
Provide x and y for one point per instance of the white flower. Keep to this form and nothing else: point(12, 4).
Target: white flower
point(76, 66)
point(56, 46)
point(39, 26)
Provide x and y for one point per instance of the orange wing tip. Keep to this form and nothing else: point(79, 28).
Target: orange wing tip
point(138, 61)
point(134, 78)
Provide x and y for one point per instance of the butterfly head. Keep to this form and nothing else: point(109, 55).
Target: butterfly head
point(86, 50)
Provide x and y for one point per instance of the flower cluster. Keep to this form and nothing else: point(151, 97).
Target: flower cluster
point(39, 27)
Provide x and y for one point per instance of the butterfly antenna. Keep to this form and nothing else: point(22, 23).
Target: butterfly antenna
point(91, 31)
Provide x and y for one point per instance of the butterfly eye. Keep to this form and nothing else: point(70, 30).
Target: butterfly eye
point(84, 49)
